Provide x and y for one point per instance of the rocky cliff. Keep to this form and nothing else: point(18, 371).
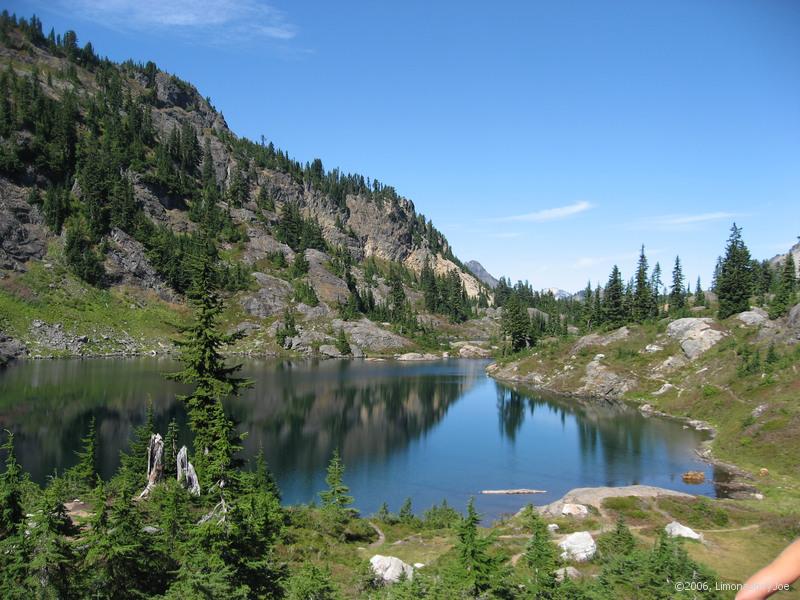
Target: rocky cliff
point(359, 219)
point(478, 270)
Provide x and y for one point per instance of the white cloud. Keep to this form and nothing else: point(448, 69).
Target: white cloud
point(220, 18)
point(684, 221)
point(548, 214)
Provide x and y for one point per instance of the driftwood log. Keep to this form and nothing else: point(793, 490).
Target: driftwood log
point(186, 472)
point(155, 463)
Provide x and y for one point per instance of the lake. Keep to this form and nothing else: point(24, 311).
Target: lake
point(427, 431)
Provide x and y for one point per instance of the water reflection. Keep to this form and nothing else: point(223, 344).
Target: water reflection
point(426, 430)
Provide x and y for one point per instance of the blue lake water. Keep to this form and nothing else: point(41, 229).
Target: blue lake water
point(428, 431)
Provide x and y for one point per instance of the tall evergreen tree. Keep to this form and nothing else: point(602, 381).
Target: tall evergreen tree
point(478, 566)
point(85, 472)
point(642, 293)
point(11, 510)
point(699, 295)
point(785, 294)
point(215, 439)
point(515, 324)
point(677, 297)
point(336, 497)
point(613, 300)
point(734, 282)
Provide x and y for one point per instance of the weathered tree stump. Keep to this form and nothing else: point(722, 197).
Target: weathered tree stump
point(155, 463)
point(186, 473)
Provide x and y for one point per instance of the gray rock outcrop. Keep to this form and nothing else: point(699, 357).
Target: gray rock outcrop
point(695, 335)
point(601, 339)
point(9, 349)
point(579, 546)
point(271, 299)
point(601, 381)
point(675, 529)
point(390, 569)
point(481, 273)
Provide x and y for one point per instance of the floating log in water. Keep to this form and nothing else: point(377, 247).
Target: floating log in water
point(517, 491)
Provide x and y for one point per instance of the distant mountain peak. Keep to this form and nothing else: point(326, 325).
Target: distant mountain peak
point(481, 273)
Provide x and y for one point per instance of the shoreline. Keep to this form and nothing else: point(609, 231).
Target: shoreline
point(732, 482)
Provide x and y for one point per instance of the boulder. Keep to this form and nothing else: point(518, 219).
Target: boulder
point(652, 348)
point(472, 351)
point(553, 527)
point(675, 529)
point(578, 546)
point(566, 573)
point(369, 336)
point(664, 389)
point(390, 568)
point(9, 349)
point(574, 510)
point(754, 316)
point(695, 335)
point(272, 297)
point(598, 339)
point(601, 381)
point(794, 321)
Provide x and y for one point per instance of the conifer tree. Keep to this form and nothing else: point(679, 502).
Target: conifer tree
point(677, 299)
point(51, 568)
point(515, 324)
point(171, 450)
point(11, 510)
point(215, 439)
point(699, 295)
point(85, 472)
point(336, 497)
point(734, 281)
point(642, 294)
point(478, 567)
point(655, 286)
point(787, 284)
point(540, 555)
point(613, 300)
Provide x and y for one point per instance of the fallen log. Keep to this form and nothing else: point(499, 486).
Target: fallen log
point(516, 491)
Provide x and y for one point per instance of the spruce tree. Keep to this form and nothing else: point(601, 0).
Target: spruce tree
point(85, 472)
point(515, 323)
point(541, 555)
point(478, 567)
point(613, 306)
point(677, 298)
point(642, 293)
point(215, 439)
point(699, 295)
point(11, 510)
point(336, 497)
point(734, 281)
point(785, 294)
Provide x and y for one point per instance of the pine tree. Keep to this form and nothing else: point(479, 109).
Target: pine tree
point(406, 513)
point(677, 299)
point(311, 582)
point(11, 510)
point(51, 570)
point(699, 295)
point(515, 324)
point(336, 497)
point(265, 481)
point(540, 555)
point(785, 295)
point(132, 471)
point(85, 472)
point(478, 567)
point(215, 439)
point(342, 345)
point(642, 293)
point(655, 286)
point(613, 300)
point(734, 281)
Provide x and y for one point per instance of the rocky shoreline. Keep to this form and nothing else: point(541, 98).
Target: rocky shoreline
point(730, 481)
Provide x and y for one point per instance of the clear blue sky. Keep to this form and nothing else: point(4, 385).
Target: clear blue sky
point(546, 139)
